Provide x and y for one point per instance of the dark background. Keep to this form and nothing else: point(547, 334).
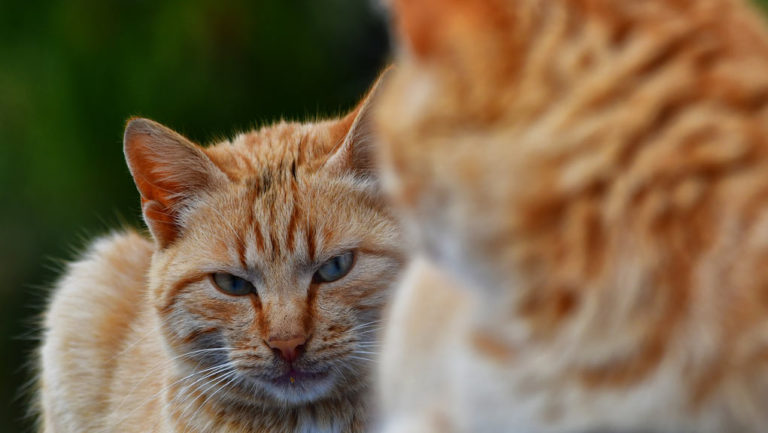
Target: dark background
point(73, 71)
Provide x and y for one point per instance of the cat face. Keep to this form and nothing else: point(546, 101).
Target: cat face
point(275, 256)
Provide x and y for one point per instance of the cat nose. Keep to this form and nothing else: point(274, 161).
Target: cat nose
point(288, 349)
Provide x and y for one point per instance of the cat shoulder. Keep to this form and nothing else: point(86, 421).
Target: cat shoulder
point(111, 265)
point(108, 280)
point(95, 305)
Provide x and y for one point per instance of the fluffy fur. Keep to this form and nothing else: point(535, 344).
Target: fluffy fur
point(587, 184)
point(139, 339)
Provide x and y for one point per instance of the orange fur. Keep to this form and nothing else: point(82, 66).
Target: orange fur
point(138, 337)
point(594, 173)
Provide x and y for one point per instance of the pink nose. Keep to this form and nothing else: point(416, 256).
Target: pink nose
point(288, 349)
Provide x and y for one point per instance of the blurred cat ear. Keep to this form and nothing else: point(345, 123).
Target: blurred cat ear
point(433, 28)
point(355, 151)
point(168, 171)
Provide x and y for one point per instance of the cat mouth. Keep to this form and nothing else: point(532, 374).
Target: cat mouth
point(294, 377)
point(296, 386)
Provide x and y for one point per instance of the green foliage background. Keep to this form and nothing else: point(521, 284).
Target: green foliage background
point(72, 72)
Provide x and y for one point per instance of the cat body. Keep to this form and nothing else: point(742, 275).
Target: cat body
point(255, 307)
point(587, 184)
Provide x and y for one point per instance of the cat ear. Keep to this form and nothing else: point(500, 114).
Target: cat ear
point(355, 152)
point(434, 28)
point(168, 170)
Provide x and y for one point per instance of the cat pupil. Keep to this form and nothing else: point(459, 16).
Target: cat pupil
point(334, 268)
point(231, 284)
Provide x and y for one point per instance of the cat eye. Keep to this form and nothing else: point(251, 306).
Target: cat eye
point(334, 268)
point(232, 285)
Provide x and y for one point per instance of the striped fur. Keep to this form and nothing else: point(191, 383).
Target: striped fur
point(587, 182)
point(138, 338)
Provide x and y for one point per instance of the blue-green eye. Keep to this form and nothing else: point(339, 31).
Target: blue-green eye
point(232, 285)
point(335, 268)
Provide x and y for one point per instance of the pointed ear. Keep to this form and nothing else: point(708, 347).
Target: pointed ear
point(429, 29)
point(168, 170)
point(355, 151)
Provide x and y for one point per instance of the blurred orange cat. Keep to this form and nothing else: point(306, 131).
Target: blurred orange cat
point(587, 183)
point(256, 308)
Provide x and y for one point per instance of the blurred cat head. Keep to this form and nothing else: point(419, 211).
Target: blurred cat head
point(275, 254)
point(550, 147)
point(484, 121)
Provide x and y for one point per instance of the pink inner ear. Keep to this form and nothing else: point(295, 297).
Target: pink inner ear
point(341, 129)
point(166, 168)
point(156, 195)
point(150, 178)
point(160, 221)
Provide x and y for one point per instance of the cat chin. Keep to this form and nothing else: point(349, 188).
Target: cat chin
point(304, 388)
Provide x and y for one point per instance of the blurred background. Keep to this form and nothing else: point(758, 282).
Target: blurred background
point(72, 72)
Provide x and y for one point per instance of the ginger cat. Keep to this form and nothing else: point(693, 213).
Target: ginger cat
point(256, 307)
point(587, 182)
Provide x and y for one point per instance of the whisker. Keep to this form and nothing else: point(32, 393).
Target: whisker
point(189, 397)
point(368, 344)
point(363, 325)
point(370, 331)
point(360, 358)
point(216, 369)
point(161, 364)
point(131, 346)
point(219, 369)
point(227, 377)
point(233, 378)
point(339, 372)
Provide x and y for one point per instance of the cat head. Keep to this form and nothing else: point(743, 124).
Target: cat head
point(487, 97)
point(275, 253)
point(439, 115)
point(530, 142)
